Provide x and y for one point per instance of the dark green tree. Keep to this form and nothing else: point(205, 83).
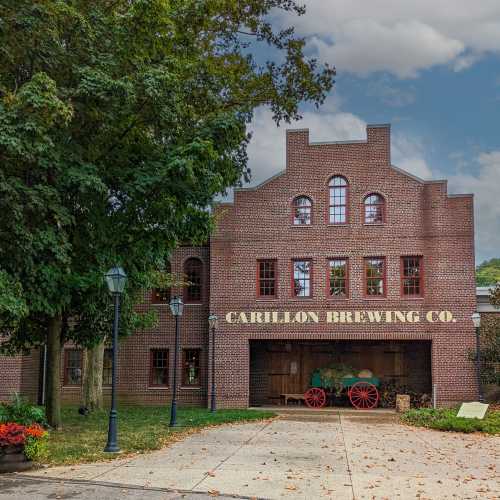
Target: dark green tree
point(120, 121)
point(488, 272)
point(490, 345)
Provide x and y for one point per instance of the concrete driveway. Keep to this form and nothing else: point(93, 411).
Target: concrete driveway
point(309, 456)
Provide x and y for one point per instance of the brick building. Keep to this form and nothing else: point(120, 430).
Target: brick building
point(340, 258)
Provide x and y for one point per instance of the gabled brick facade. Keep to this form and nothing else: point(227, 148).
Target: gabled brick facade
point(420, 219)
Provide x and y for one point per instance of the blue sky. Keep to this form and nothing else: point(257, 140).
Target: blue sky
point(430, 69)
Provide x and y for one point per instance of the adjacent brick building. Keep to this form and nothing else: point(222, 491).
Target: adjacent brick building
point(340, 258)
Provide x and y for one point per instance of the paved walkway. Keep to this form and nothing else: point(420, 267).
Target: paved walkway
point(310, 456)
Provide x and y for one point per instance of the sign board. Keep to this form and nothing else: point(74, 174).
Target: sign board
point(344, 317)
point(472, 410)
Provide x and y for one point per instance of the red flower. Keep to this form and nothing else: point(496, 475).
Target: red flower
point(12, 434)
point(35, 431)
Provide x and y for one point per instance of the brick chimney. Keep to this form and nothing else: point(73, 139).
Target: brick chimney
point(297, 142)
point(379, 143)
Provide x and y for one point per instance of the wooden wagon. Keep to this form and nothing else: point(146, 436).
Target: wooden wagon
point(361, 391)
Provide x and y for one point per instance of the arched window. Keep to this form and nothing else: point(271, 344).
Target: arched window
point(338, 190)
point(193, 274)
point(374, 209)
point(302, 208)
point(162, 295)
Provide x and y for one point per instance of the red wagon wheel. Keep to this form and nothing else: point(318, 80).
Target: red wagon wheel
point(315, 398)
point(363, 396)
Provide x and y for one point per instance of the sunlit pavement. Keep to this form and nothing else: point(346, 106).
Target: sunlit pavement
point(306, 455)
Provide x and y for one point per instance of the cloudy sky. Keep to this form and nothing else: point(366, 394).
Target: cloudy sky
point(431, 69)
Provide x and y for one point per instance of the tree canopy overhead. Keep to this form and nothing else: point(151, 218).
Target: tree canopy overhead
point(120, 120)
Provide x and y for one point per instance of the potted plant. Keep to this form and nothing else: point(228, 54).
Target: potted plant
point(20, 445)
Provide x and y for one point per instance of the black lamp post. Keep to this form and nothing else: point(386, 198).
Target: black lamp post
point(476, 319)
point(212, 322)
point(176, 306)
point(115, 279)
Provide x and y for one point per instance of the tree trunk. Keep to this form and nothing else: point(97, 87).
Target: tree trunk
point(92, 377)
point(53, 397)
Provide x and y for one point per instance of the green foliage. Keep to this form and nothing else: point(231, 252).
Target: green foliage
point(488, 272)
point(22, 412)
point(331, 376)
point(490, 343)
point(120, 122)
point(445, 419)
point(37, 449)
point(141, 429)
point(13, 307)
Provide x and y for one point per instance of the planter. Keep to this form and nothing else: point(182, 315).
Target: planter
point(13, 459)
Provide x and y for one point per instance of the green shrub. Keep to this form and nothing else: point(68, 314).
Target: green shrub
point(36, 449)
point(445, 419)
point(22, 412)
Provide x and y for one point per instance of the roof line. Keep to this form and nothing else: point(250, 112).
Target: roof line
point(354, 141)
point(411, 176)
point(269, 179)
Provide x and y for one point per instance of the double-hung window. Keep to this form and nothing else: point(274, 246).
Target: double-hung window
point(411, 276)
point(266, 278)
point(375, 285)
point(301, 282)
point(338, 285)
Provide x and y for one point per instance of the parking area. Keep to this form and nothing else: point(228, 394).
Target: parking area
point(309, 455)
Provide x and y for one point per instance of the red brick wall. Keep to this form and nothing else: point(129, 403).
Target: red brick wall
point(10, 376)
point(134, 351)
point(19, 374)
point(421, 220)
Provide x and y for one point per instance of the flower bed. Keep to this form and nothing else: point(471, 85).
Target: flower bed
point(20, 445)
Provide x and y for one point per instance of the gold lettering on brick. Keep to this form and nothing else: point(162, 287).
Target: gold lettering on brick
point(303, 317)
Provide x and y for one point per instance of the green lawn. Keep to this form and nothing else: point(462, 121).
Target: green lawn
point(445, 419)
point(139, 429)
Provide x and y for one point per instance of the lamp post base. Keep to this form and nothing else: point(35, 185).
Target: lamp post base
point(173, 414)
point(112, 449)
point(112, 444)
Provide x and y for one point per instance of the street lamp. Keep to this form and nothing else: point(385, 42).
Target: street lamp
point(212, 323)
point(176, 306)
point(115, 279)
point(476, 320)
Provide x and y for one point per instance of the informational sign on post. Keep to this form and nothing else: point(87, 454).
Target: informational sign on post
point(473, 410)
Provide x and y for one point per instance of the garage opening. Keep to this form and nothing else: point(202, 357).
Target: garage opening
point(286, 367)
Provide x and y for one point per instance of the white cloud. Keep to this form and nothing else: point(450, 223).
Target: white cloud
point(266, 151)
point(408, 153)
point(389, 93)
point(484, 182)
point(465, 61)
point(267, 157)
point(364, 46)
point(402, 37)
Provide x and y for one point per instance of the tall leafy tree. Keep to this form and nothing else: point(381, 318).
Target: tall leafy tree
point(120, 121)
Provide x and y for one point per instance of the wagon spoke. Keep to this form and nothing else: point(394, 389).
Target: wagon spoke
point(363, 395)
